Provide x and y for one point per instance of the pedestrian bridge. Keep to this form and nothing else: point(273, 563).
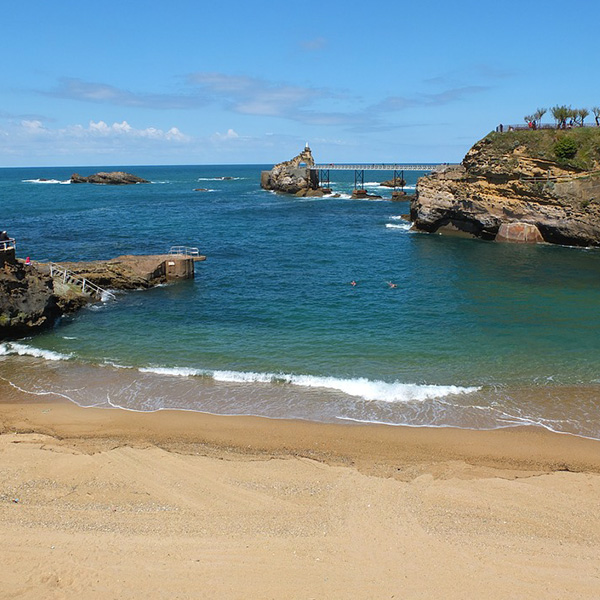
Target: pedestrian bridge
point(359, 171)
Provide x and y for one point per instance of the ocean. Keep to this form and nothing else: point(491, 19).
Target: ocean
point(475, 334)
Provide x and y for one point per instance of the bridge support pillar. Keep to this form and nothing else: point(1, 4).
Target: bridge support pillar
point(359, 179)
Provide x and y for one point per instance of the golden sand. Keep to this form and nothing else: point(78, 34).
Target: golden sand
point(103, 503)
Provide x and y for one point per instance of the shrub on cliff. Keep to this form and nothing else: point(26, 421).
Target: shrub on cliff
point(565, 148)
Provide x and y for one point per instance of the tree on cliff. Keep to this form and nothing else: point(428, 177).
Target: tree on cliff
point(582, 113)
point(538, 114)
point(596, 111)
point(561, 114)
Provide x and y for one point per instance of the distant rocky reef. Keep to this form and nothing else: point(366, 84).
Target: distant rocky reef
point(518, 186)
point(113, 178)
point(293, 176)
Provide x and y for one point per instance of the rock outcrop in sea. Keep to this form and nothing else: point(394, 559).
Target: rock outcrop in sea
point(518, 186)
point(113, 178)
point(293, 176)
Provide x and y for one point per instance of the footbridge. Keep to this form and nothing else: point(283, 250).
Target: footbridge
point(359, 171)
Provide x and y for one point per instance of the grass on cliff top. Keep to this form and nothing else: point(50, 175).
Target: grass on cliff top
point(541, 143)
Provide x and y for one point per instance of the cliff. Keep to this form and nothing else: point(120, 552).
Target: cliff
point(293, 176)
point(533, 185)
point(27, 300)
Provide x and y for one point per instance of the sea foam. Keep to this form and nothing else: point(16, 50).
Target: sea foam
point(366, 389)
point(403, 226)
point(12, 348)
point(47, 181)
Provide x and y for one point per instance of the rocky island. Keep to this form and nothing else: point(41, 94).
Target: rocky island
point(113, 178)
point(540, 185)
point(293, 176)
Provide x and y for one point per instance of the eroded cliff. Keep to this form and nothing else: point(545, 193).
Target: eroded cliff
point(518, 181)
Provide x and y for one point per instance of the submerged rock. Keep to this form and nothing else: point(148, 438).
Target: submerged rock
point(113, 178)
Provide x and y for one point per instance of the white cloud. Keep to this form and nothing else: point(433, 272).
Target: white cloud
point(230, 135)
point(99, 129)
point(32, 140)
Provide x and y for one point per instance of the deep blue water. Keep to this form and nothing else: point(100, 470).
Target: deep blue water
point(271, 324)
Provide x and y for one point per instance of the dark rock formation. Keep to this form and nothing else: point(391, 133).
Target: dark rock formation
point(114, 178)
point(514, 178)
point(27, 300)
point(292, 176)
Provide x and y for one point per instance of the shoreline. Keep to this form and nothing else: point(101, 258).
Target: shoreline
point(112, 503)
point(373, 448)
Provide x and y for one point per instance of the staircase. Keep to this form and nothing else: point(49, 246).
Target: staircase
point(87, 287)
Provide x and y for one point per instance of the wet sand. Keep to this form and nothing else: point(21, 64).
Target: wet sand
point(104, 503)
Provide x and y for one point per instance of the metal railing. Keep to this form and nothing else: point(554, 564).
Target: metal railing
point(8, 244)
point(87, 287)
point(184, 251)
point(521, 127)
point(375, 167)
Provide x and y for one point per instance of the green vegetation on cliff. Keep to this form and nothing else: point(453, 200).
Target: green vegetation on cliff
point(577, 148)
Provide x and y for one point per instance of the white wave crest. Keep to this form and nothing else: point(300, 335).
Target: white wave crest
point(47, 181)
point(363, 388)
point(381, 390)
point(242, 377)
point(403, 226)
point(11, 348)
point(173, 371)
point(218, 178)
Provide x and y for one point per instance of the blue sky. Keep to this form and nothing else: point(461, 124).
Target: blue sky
point(181, 82)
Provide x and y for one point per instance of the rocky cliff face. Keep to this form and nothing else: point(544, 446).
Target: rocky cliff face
point(292, 176)
point(514, 183)
point(27, 300)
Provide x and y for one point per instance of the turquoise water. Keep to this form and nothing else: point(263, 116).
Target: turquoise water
point(475, 334)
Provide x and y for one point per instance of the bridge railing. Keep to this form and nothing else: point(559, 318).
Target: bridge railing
point(375, 167)
point(87, 287)
point(184, 251)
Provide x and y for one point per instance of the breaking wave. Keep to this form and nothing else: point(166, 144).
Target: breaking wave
point(360, 387)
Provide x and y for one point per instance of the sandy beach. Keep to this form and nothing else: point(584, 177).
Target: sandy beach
point(103, 503)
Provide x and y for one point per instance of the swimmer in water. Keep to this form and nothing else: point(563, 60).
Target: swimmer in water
point(353, 283)
point(392, 285)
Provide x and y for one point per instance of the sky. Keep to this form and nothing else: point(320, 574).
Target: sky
point(238, 82)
